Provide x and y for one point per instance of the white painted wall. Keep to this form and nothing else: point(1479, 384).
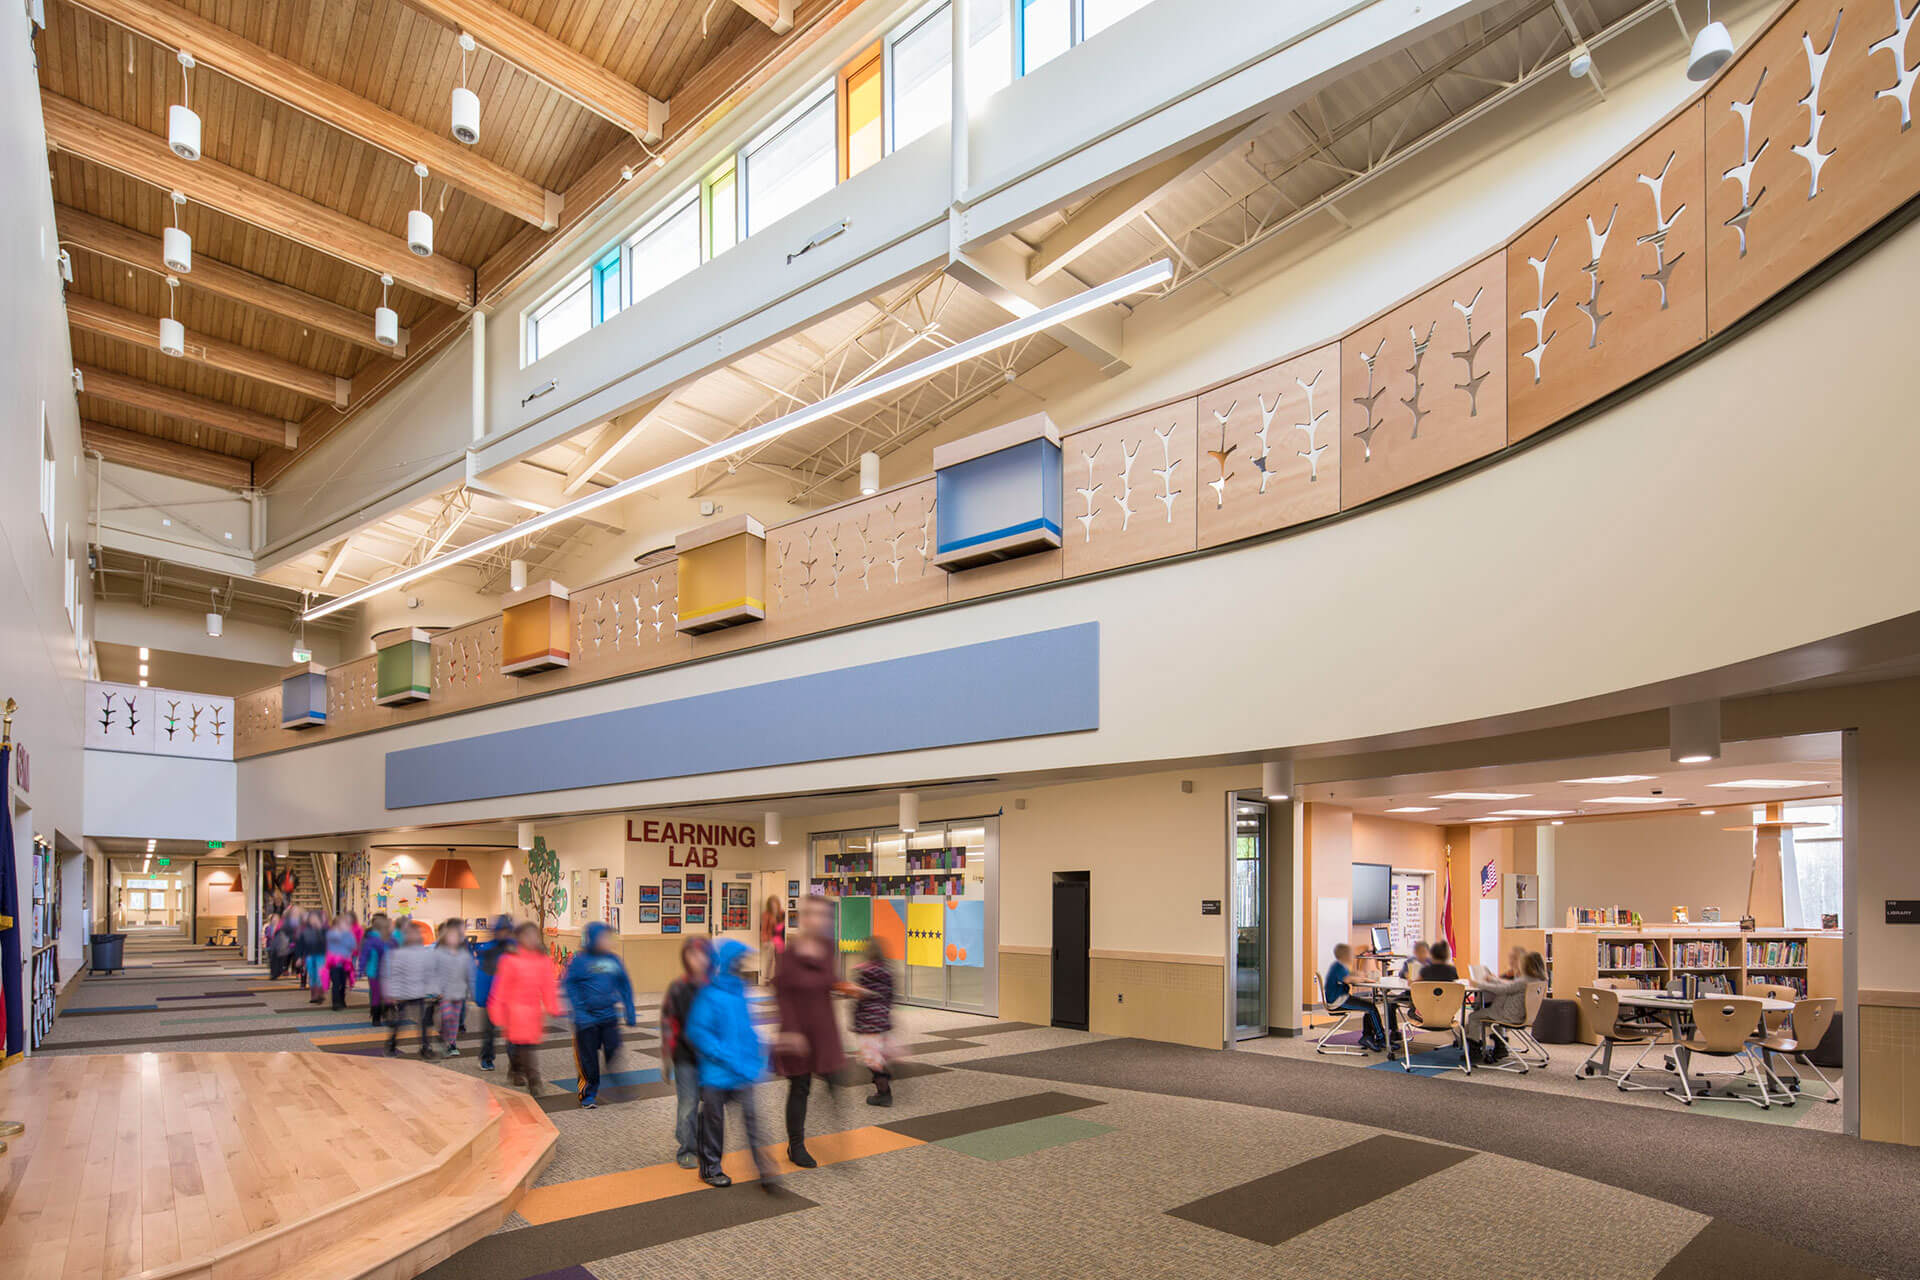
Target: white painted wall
point(159, 797)
point(178, 631)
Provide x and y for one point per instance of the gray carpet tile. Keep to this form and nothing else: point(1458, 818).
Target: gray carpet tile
point(1724, 1251)
point(951, 1124)
point(1713, 1167)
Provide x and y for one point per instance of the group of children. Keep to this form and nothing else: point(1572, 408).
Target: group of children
point(709, 1046)
point(1502, 998)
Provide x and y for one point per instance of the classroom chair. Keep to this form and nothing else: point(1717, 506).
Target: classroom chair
point(1810, 1021)
point(1603, 1015)
point(1724, 1027)
point(1436, 1016)
point(1523, 1052)
point(1772, 1020)
point(1345, 1016)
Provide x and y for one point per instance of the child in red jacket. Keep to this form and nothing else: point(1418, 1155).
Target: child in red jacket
point(524, 994)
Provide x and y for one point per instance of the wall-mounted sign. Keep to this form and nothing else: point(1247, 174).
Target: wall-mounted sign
point(1209, 906)
point(692, 844)
point(1903, 910)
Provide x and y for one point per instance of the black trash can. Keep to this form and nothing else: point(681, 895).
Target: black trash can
point(107, 952)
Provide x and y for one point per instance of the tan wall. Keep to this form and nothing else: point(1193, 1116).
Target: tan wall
point(1026, 984)
point(1653, 864)
point(1158, 997)
point(1889, 1075)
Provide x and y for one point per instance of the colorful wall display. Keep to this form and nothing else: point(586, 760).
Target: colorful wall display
point(535, 631)
point(649, 895)
point(722, 575)
point(403, 666)
point(303, 696)
point(965, 924)
point(650, 915)
point(926, 934)
point(890, 926)
point(739, 909)
point(161, 722)
point(696, 913)
point(998, 494)
point(855, 924)
point(697, 880)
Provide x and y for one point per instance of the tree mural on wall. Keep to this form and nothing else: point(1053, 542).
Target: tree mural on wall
point(540, 890)
point(356, 883)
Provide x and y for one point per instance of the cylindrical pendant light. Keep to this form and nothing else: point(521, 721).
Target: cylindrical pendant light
point(1693, 732)
point(176, 246)
point(524, 836)
point(909, 811)
point(869, 473)
point(466, 103)
point(773, 826)
point(516, 575)
point(183, 125)
point(419, 221)
point(173, 334)
point(386, 321)
point(1276, 779)
point(281, 848)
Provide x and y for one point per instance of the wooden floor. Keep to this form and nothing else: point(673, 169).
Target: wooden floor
point(246, 1165)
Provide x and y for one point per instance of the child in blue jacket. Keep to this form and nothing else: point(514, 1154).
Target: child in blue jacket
point(732, 1060)
point(597, 990)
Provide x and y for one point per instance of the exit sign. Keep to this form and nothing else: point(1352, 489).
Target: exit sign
point(165, 862)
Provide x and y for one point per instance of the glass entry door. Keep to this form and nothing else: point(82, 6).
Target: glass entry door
point(1247, 936)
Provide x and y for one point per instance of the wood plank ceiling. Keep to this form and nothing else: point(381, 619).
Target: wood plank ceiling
point(292, 209)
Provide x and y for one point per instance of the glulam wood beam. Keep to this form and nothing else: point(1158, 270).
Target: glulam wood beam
point(95, 316)
point(164, 457)
point(293, 84)
point(123, 244)
point(137, 393)
point(559, 64)
point(776, 14)
point(101, 139)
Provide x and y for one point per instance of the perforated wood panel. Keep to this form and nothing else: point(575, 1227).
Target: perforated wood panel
point(854, 562)
point(1809, 143)
point(1424, 387)
point(1282, 425)
point(1131, 490)
point(1610, 284)
point(626, 624)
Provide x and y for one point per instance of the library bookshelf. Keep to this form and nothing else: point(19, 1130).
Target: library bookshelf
point(1722, 958)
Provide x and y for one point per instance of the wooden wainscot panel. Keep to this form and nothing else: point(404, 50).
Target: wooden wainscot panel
point(1424, 387)
point(1130, 491)
point(627, 624)
point(1277, 432)
point(1808, 144)
point(865, 559)
point(1612, 283)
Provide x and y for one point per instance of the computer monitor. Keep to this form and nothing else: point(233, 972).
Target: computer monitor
point(1382, 939)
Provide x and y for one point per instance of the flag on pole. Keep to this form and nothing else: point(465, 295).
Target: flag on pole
point(1489, 879)
point(1446, 904)
point(13, 1021)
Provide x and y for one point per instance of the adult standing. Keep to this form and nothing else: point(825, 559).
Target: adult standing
point(809, 1041)
point(773, 938)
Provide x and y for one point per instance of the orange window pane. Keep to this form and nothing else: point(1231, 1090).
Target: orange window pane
point(865, 141)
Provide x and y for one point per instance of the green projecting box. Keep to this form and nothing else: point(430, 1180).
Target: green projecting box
point(403, 669)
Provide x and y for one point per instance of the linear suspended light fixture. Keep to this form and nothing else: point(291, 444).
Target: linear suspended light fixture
point(1156, 272)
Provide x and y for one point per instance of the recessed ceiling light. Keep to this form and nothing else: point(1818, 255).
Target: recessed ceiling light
point(143, 668)
point(1706, 813)
point(1532, 813)
point(1610, 780)
point(1634, 800)
point(1482, 795)
point(1693, 759)
point(143, 653)
point(1415, 808)
point(1559, 822)
point(1766, 784)
point(1490, 819)
point(143, 684)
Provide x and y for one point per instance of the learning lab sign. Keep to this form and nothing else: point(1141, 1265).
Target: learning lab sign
point(690, 842)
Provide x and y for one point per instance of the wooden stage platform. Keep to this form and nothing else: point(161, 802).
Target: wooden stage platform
point(282, 1166)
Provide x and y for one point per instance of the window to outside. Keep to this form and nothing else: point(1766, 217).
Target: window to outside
point(561, 318)
point(790, 164)
point(720, 194)
point(860, 105)
point(1097, 15)
point(1046, 32)
point(49, 473)
point(73, 579)
point(665, 250)
point(922, 78)
point(608, 297)
point(1816, 860)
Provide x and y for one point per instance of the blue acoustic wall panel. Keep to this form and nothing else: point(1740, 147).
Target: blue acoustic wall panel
point(1020, 687)
point(998, 505)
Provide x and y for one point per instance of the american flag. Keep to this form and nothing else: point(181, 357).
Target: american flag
point(1489, 879)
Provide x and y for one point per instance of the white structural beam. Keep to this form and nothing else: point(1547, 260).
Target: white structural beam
point(998, 272)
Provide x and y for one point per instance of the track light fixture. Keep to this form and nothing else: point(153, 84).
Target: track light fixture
point(173, 334)
point(1712, 46)
point(419, 221)
point(386, 321)
point(466, 103)
point(176, 246)
point(183, 126)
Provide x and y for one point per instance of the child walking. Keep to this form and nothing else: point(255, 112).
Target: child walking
point(873, 1020)
point(453, 971)
point(339, 961)
point(720, 1028)
point(521, 999)
point(486, 961)
point(598, 990)
point(374, 944)
point(677, 1061)
point(410, 977)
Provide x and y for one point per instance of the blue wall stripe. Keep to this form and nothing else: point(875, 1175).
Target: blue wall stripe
point(1020, 687)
